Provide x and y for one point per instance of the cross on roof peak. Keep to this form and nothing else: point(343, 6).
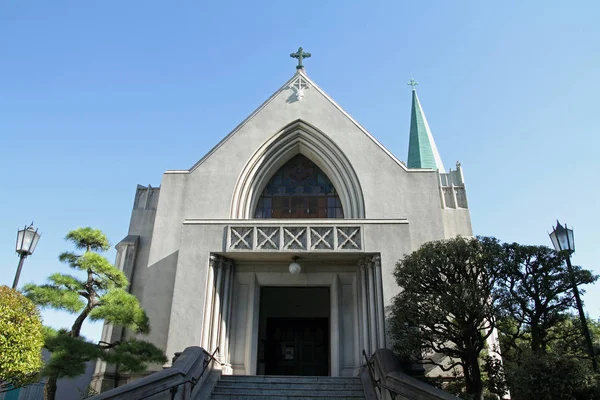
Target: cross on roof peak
point(300, 54)
point(412, 83)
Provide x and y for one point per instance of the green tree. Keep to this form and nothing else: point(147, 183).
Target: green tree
point(537, 293)
point(566, 338)
point(447, 305)
point(542, 345)
point(561, 371)
point(101, 295)
point(21, 339)
point(551, 376)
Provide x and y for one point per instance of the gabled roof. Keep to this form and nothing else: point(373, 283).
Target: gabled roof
point(285, 86)
point(422, 151)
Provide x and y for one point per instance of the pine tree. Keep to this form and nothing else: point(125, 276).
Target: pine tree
point(100, 296)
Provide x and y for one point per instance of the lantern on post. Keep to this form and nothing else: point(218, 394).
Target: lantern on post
point(27, 240)
point(563, 240)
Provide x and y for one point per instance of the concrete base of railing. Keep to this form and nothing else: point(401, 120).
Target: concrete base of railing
point(184, 380)
point(365, 379)
point(389, 371)
point(204, 390)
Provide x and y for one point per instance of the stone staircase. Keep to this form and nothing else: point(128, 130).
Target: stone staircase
point(242, 387)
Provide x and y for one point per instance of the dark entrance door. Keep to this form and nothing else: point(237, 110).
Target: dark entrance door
point(297, 346)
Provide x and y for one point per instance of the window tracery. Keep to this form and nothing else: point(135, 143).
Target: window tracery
point(299, 189)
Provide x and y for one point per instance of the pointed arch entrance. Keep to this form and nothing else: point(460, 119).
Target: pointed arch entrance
point(297, 138)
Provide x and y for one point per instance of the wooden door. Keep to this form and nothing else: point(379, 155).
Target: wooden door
point(298, 346)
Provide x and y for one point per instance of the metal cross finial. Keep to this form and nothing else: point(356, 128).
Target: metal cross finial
point(300, 54)
point(412, 83)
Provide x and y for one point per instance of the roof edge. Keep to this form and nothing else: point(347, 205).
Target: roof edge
point(359, 126)
point(266, 102)
point(248, 118)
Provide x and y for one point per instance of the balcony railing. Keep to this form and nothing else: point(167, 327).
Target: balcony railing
point(295, 237)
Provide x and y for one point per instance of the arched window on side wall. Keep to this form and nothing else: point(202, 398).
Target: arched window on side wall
point(299, 189)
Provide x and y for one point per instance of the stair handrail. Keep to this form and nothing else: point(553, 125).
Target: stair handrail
point(187, 370)
point(377, 384)
point(387, 374)
point(192, 380)
point(211, 358)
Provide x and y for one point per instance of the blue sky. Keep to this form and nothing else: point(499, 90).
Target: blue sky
point(96, 97)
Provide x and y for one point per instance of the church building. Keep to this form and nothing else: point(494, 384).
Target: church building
point(277, 247)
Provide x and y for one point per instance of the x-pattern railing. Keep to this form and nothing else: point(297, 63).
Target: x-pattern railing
point(318, 237)
point(241, 238)
point(267, 238)
point(348, 238)
point(294, 238)
point(324, 238)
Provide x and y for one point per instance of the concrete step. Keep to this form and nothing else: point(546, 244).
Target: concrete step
point(307, 396)
point(287, 378)
point(290, 392)
point(290, 385)
point(271, 387)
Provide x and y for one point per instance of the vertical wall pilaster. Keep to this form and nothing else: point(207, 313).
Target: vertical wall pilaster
point(215, 325)
point(209, 297)
point(224, 309)
point(372, 308)
point(252, 327)
point(442, 196)
point(379, 299)
point(453, 189)
point(335, 326)
point(362, 273)
point(227, 369)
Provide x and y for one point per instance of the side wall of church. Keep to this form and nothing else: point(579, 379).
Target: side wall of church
point(141, 225)
point(184, 323)
point(133, 261)
point(457, 222)
point(155, 286)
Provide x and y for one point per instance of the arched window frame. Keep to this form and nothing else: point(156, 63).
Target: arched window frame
point(298, 137)
point(299, 189)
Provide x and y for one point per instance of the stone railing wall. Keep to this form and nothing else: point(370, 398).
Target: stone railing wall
point(182, 381)
point(391, 378)
point(295, 237)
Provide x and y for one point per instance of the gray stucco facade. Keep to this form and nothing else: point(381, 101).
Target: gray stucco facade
point(197, 258)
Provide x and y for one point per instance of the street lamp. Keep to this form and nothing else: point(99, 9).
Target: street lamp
point(27, 239)
point(563, 240)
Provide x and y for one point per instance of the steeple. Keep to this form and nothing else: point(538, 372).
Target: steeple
point(422, 151)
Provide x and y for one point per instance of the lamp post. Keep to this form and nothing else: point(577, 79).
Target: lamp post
point(563, 240)
point(27, 239)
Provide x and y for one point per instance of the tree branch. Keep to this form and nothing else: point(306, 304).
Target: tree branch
point(107, 345)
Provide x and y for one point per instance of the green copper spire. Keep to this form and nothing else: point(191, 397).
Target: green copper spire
point(422, 152)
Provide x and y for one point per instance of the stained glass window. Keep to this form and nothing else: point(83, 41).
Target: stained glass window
point(299, 189)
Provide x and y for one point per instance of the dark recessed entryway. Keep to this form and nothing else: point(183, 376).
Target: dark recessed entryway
point(297, 347)
point(294, 331)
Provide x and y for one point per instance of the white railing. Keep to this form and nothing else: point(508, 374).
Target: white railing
point(295, 237)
